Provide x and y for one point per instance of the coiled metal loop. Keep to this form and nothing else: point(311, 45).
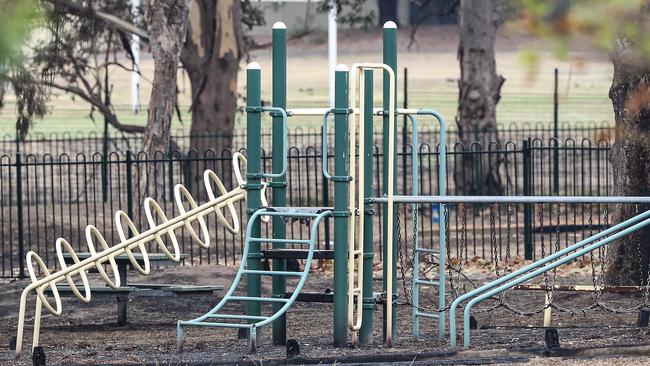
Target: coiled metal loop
point(130, 238)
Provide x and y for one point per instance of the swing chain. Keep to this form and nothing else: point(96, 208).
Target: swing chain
point(493, 240)
point(508, 233)
point(400, 251)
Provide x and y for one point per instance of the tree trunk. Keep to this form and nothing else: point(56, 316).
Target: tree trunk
point(211, 57)
point(479, 93)
point(628, 258)
point(387, 11)
point(166, 23)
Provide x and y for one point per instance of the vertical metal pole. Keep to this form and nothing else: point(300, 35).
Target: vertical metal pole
point(367, 322)
point(331, 48)
point(405, 120)
point(279, 184)
point(19, 204)
point(390, 59)
point(341, 206)
point(528, 214)
point(326, 199)
point(129, 185)
point(253, 177)
point(556, 158)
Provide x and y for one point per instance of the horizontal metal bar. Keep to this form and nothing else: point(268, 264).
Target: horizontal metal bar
point(513, 199)
point(429, 283)
point(258, 299)
point(223, 325)
point(426, 250)
point(239, 317)
point(427, 315)
point(321, 111)
point(284, 241)
point(272, 273)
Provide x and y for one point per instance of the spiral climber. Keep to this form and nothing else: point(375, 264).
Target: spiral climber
point(137, 240)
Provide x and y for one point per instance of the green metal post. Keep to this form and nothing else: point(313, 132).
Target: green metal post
point(279, 184)
point(365, 333)
point(254, 178)
point(341, 213)
point(390, 59)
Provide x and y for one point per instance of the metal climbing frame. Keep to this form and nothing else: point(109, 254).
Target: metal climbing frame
point(540, 266)
point(254, 322)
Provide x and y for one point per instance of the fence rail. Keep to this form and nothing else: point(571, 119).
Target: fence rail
point(43, 197)
point(301, 137)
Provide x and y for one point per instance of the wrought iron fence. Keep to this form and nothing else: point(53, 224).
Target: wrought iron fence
point(301, 137)
point(45, 196)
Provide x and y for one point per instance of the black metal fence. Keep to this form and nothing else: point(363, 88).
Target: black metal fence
point(44, 197)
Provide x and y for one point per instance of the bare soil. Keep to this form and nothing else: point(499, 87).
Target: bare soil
point(87, 334)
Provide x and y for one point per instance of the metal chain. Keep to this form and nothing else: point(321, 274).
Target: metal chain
point(493, 240)
point(594, 278)
point(401, 249)
point(508, 235)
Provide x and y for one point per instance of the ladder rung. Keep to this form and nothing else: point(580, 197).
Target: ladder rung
point(425, 282)
point(258, 299)
point(427, 315)
point(283, 241)
point(223, 325)
point(238, 317)
point(271, 273)
point(427, 250)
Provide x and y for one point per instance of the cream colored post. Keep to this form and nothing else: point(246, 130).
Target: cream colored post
point(547, 309)
point(358, 82)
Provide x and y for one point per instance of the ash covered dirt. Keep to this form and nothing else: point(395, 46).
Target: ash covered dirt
point(87, 334)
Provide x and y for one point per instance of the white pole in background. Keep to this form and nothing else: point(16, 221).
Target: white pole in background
point(135, 49)
point(331, 48)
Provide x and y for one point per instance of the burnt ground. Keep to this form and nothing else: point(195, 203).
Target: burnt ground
point(87, 334)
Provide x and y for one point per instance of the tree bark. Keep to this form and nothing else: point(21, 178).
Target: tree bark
point(166, 23)
point(628, 257)
point(479, 93)
point(211, 56)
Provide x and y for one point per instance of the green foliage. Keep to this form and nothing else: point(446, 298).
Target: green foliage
point(17, 19)
point(599, 23)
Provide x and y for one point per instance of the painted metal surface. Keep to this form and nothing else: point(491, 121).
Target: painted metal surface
point(255, 322)
point(97, 260)
point(278, 185)
point(355, 251)
point(537, 268)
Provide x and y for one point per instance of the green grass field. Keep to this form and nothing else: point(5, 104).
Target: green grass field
point(526, 96)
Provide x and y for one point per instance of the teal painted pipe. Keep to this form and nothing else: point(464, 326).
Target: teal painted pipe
point(442, 234)
point(390, 59)
point(367, 320)
point(253, 185)
point(325, 140)
point(279, 285)
point(638, 222)
point(341, 204)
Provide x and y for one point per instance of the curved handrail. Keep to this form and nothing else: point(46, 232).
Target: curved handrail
point(285, 153)
point(325, 144)
point(513, 279)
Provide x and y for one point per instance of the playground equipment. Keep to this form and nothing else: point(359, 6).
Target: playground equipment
point(353, 251)
point(354, 206)
point(156, 232)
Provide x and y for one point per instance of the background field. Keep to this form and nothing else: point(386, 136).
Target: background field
point(584, 79)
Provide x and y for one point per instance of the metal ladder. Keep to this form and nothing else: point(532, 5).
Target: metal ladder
point(252, 323)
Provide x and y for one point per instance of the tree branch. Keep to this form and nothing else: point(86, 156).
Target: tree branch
point(110, 116)
point(77, 9)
